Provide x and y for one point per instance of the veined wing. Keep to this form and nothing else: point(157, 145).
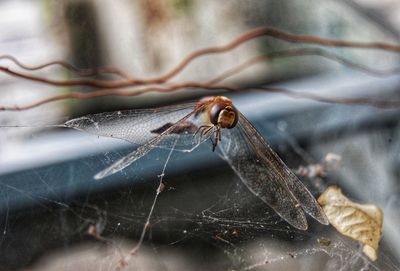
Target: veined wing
point(166, 135)
point(266, 176)
point(141, 125)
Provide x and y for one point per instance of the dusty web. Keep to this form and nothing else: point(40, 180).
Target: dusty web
point(202, 211)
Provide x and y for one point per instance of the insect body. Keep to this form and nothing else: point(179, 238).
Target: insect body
point(221, 114)
point(184, 127)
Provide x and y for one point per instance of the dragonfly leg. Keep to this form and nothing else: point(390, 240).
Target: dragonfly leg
point(214, 144)
point(217, 137)
point(197, 131)
point(219, 134)
point(207, 130)
point(203, 130)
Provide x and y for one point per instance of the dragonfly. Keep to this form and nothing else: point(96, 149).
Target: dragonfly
point(215, 118)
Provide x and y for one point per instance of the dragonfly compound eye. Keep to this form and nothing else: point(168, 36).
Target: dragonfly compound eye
point(223, 115)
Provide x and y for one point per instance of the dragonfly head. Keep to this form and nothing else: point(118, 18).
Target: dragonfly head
point(226, 116)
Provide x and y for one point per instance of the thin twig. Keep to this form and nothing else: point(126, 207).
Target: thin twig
point(211, 84)
point(332, 99)
point(68, 66)
point(278, 34)
point(265, 31)
point(118, 92)
point(70, 82)
point(303, 52)
point(115, 92)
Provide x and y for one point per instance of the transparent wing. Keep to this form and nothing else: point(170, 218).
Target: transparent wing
point(167, 135)
point(140, 126)
point(266, 176)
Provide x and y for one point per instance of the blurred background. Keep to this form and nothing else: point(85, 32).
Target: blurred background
point(49, 198)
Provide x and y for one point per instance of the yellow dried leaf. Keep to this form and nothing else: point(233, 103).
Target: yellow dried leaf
point(362, 222)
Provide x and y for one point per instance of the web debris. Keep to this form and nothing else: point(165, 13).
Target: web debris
point(124, 261)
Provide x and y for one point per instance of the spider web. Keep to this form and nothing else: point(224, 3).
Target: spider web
point(202, 214)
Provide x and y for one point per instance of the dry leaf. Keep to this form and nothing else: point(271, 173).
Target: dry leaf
point(362, 222)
